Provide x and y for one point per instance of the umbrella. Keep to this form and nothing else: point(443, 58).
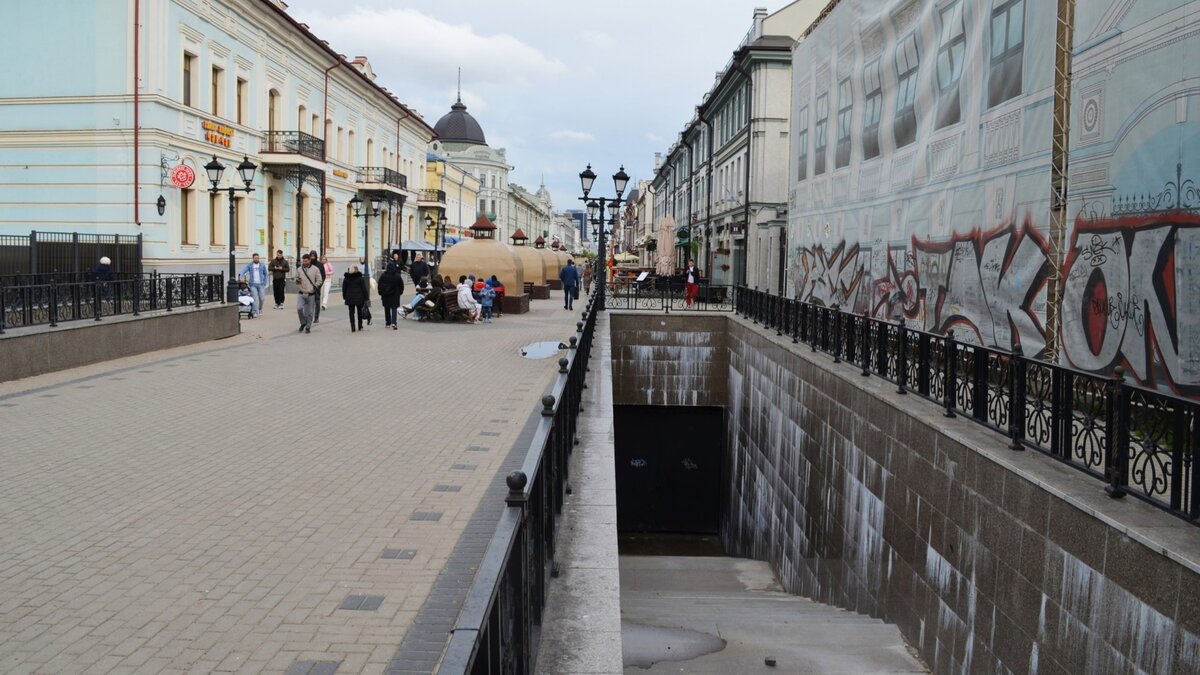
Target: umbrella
point(665, 261)
point(625, 257)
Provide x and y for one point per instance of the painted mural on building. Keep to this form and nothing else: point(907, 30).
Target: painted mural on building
point(946, 225)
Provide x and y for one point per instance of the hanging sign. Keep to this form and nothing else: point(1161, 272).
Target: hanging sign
point(183, 176)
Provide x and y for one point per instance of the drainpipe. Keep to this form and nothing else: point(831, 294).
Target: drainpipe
point(325, 120)
point(708, 178)
point(741, 70)
point(137, 140)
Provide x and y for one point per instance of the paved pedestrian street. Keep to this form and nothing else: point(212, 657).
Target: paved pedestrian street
point(275, 502)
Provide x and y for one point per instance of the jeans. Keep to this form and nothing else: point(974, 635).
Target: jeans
point(306, 306)
point(389, 315)
point(569, 296)
point(259, 292)
point(487, 312)
point(278, 286)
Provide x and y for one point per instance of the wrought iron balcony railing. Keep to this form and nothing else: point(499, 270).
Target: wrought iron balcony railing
point(438, 196)
point(294, 142)
point(381, 174)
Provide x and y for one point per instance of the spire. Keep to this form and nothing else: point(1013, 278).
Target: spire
point(460, 84)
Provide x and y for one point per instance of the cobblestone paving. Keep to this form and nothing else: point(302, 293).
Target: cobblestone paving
point(275, 502)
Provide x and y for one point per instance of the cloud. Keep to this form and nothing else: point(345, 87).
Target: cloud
point(405, 44)
point(571, 135)
point(596, 38)
point(655, 138)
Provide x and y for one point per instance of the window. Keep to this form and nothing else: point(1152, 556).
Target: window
point(272, 110)
point(189, 72)
point(482, 207)
point(301, 117)
point(904, 128)
point(341, 144)
point(1008, 43)
point(802, 144)
point(316, 126)
point(821, 133)
point(349, 229)
point(214, 221)
point(493, 183)
point(872, 106)
point(218, 85)
point(240, 113)
point(951, 52)
point(845, 113)
point(187, 227)
point(327, 223)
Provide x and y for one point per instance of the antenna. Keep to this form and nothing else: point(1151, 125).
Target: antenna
point(460, 84)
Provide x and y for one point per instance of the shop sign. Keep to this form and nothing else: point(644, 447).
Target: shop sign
point(341, 173)
point(183, 176)
point(218, 134)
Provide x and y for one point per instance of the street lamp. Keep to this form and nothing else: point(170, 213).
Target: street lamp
point(356, 203)
point(245, 170)
point(595, 209)
point(436, 226)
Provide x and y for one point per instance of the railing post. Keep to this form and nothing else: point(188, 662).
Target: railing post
point(53, 304)
point(980, 388)
point(757, 304)
point(864, 345)
point(950, 367)
point(137, 293)
point(1016, 399)
point(837, 332)
point(901, 356)
point(796, 309)
point(3, 311)
point(1116, 440)
point(170, 286)
point(97, 302)
point(196, 286)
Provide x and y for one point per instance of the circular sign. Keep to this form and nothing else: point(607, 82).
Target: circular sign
point(182, 176)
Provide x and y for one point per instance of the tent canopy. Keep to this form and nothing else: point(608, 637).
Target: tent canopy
point(414, 245)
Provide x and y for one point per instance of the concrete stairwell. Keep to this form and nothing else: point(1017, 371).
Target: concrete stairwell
point(728, 615)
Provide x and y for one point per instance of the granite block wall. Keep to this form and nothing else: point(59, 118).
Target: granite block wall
point(988, 560)
point(660, 359)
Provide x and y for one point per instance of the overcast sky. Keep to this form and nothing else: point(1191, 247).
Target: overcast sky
point(558, 83)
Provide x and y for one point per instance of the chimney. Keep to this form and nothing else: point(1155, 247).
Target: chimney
point(657, 161)
point(760, 14)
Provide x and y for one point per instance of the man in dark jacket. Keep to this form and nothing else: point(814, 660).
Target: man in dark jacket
point(419, 270)
point(569, 276)
point(279, 269)
point(391, 286)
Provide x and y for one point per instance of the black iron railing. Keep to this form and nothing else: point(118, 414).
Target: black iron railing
point(382, 174)
point(1140, 441)
point(68, 252)
point(49, 303)
point(294, 142)
point(500, 626)
point(666, 296)
point(438, 196)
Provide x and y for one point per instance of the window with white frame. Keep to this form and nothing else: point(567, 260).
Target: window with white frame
point(1008, 46)
point(845, 113)
point(904, 128)
point(872, 106)
point(802, 144)
point(951, 52)
point(820, 134)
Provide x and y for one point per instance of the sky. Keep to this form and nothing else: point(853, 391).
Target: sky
point(559, 83)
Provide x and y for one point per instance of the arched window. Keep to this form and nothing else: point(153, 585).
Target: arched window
point(273, 110)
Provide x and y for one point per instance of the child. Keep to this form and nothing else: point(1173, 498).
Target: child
point(246, 298)
point(487, 294)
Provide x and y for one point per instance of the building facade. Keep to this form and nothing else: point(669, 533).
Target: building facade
point(721, 190)
point(450, 191)
point(531, 212)
point(461, 140)
point(120, 147)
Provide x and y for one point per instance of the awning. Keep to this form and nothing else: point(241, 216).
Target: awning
point(414, 245)
point(450, 241)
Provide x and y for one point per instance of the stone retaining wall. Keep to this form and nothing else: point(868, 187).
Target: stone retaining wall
point(34, 351)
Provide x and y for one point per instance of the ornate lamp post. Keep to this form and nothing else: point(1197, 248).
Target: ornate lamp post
point(595, 209)
point(356, 203)
point(438, 226)
point(245, 171)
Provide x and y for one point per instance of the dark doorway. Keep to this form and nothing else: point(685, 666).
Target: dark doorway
point(668, 468)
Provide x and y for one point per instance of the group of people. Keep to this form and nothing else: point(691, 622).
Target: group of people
point(477, 296)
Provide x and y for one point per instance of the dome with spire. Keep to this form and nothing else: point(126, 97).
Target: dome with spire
point(457, 126)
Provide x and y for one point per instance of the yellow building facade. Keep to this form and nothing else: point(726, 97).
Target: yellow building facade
point(452, 192)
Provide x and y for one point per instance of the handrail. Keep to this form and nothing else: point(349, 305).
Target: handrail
point(1140, 441)
point(499, 627)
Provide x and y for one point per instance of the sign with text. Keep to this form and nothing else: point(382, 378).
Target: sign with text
point(218, 134)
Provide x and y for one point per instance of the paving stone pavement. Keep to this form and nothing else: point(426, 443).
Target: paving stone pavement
point(275, 502)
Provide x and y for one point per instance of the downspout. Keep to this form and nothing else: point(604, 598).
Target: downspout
point(325, 119)
point(137, 139)
point(691, 204)
point(708, 178)
point(749, 153)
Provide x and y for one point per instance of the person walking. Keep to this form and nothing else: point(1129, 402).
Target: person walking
point(315, 261)
point(391, 286)
point(327, 268)
point(419, 270)
point(308, 279)
point(569, 276)
point(355, 292)
point(279, 269)
point(255, 274)
point(691, 280)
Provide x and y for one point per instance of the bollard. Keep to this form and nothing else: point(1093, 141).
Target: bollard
point(574, 342)
point(516, 481)
point(562, 364)
point(547, 406)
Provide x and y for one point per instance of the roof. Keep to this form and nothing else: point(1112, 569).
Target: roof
point(482, 223)
point(457, 126)
point(323, 46)
point(519, 234)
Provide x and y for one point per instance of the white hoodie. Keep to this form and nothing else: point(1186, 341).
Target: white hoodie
point(465, 299)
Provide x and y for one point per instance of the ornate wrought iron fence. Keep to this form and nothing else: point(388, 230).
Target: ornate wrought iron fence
point(666, 297)
point(500, 626)
point(33, 304)
point(1140, 441)
point(68, 253)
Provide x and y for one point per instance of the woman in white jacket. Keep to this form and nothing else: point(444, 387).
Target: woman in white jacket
point(328, 281)
point(466, 300)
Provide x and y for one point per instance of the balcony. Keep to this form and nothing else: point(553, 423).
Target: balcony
point(292, 147)
point(383, 177)
point(431, 197)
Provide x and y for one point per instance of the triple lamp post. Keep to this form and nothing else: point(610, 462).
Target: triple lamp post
point(356, 203)
point(595, 209)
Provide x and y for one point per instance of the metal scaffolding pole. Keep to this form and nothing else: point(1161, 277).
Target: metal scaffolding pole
point(1060, 160)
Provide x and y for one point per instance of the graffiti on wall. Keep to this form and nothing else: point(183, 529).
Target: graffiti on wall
point(1129, 297)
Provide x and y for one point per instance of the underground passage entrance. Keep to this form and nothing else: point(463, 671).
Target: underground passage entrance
point(668, 469)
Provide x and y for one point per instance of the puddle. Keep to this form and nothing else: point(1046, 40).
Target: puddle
point(541, 350)
point(642, 646)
